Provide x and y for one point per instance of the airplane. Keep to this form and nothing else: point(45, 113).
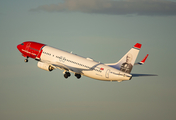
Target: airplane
point(50, 58)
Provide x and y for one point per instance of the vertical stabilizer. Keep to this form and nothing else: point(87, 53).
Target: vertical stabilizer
point(126, 63)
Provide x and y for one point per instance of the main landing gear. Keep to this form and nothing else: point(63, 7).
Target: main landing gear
point(78, 75)
point(67, 74)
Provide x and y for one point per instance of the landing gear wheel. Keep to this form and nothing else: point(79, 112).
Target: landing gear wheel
point(67, 74)
point(78, 76)
point(26, 60)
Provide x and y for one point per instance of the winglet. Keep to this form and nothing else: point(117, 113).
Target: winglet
point(142, 61)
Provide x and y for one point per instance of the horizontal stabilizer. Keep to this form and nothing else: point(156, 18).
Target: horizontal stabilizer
point(142, 75)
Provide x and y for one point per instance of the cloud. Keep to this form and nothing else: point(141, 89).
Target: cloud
point(123, 7)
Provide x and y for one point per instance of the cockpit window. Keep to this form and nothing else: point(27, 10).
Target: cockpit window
point(22, 44)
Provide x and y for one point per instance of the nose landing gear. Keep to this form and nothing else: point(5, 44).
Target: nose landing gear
point(26, 60)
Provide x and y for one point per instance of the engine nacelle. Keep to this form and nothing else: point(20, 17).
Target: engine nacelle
point(45, 66)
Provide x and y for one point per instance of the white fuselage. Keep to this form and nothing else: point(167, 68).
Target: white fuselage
point(85, 66)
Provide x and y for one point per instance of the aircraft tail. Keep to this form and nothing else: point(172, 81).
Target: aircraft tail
point(126, 63)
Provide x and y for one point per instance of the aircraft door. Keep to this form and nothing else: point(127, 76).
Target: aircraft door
point(107, 73)
point(28, 46)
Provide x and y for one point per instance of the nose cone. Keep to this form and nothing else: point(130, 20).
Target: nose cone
point(19, 47)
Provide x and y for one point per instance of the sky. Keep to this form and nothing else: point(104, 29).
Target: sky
point(100, 29)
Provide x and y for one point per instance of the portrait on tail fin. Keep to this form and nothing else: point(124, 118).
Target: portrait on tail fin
point(127, 66)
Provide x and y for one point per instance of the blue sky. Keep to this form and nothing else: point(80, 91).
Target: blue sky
point(102, 30)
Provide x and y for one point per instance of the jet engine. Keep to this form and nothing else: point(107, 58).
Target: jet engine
point(45, 66)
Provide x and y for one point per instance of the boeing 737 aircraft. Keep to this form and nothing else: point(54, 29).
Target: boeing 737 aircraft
point(50, 58)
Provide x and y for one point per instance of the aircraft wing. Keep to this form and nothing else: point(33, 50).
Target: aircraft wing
point(56, 65)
